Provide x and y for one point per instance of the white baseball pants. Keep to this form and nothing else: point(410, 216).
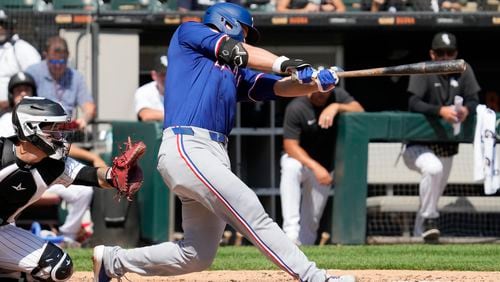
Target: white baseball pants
point(435, 172)
point(20, 251)
point(78, 198)
point(301, 218)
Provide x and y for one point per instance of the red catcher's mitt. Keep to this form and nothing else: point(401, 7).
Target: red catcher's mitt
point(126, 175)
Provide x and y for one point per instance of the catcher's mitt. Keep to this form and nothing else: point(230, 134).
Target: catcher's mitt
point(126, 175)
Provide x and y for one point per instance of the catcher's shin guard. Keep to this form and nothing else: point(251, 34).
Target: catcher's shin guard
point(54, 265)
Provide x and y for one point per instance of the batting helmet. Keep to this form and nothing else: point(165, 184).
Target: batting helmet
point(229, 18)
point(20, 78)
point(43, 123)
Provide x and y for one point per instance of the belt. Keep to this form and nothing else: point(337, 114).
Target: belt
point(200, 132)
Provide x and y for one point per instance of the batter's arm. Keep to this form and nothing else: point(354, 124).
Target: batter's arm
point(260, 59)
point(294, 150)
point(286, 87)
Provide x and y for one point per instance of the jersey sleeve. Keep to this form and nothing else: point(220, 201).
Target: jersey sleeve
point(141, 99)
point(71, 170)
point(418, 88)
point(291, 123)
point(201, 38)
point(26, 54)
point(255, 86)
point(471, 90)
point(342, 96)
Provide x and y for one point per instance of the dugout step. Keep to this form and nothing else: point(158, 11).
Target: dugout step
point(448, 204)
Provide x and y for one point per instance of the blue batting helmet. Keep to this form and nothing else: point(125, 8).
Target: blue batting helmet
point(229, 18)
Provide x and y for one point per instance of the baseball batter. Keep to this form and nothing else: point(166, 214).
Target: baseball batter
point(31, 161)
point(209, 72)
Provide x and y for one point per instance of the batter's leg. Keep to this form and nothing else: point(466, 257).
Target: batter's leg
point(237, 204)
point(202, 233)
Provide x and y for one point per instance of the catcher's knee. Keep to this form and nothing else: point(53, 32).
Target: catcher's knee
point(54, 265)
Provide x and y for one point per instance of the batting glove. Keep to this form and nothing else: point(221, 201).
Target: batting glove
point(326, 79)
point(285, 65)
point(304, 75)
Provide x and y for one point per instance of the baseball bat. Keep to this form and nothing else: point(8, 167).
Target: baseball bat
point(431, 67)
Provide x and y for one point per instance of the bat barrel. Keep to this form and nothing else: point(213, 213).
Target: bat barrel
point(432, 67)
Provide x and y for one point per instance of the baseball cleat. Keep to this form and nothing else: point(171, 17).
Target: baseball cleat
point(431, 233)
point(341, 278)
point(99, 271)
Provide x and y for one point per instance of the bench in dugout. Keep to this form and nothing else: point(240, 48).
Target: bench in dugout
point(466, 214)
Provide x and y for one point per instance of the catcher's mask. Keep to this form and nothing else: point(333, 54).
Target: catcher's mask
point(45, 124)
point(229, 18)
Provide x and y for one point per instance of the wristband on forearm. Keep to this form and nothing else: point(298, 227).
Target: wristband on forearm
point(277, 64)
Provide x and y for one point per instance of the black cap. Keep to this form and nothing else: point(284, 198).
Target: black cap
point(160, 63)
point(444, 40)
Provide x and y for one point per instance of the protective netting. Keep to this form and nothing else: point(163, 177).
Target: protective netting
point(466, 213)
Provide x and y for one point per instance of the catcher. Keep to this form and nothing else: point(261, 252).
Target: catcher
point(31, 161)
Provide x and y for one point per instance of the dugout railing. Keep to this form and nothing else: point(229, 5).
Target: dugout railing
point(355, 132)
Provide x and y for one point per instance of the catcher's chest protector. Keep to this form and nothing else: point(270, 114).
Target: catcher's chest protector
point(18, 184)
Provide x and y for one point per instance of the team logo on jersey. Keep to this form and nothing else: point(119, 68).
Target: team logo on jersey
point(19, 187)
point(311, 122)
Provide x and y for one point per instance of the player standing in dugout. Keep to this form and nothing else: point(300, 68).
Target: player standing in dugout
point(211, 68)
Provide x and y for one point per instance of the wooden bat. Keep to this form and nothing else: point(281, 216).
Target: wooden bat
point(431, 67)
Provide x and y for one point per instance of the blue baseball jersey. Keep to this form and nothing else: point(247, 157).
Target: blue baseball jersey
point(202, 92)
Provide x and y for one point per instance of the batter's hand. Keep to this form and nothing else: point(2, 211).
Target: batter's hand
point(326, 79)
point(328, 115)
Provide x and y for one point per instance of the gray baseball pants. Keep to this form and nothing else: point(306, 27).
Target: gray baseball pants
point(197, 169)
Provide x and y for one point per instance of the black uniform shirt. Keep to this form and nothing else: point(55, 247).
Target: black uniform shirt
point(22, 184)
point(301, 123)
point(431, 92)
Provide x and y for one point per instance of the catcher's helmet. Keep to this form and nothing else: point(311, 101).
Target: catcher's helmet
point(20, 78)
point(43, 123)
point(228, 18)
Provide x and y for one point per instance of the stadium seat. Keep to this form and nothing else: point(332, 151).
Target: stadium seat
point(260, 5)
point(352, 5)
point(136, 5)
point(87, 5)
point(17, 4)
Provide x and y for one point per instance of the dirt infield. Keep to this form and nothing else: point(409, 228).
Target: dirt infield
point(268, 276)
